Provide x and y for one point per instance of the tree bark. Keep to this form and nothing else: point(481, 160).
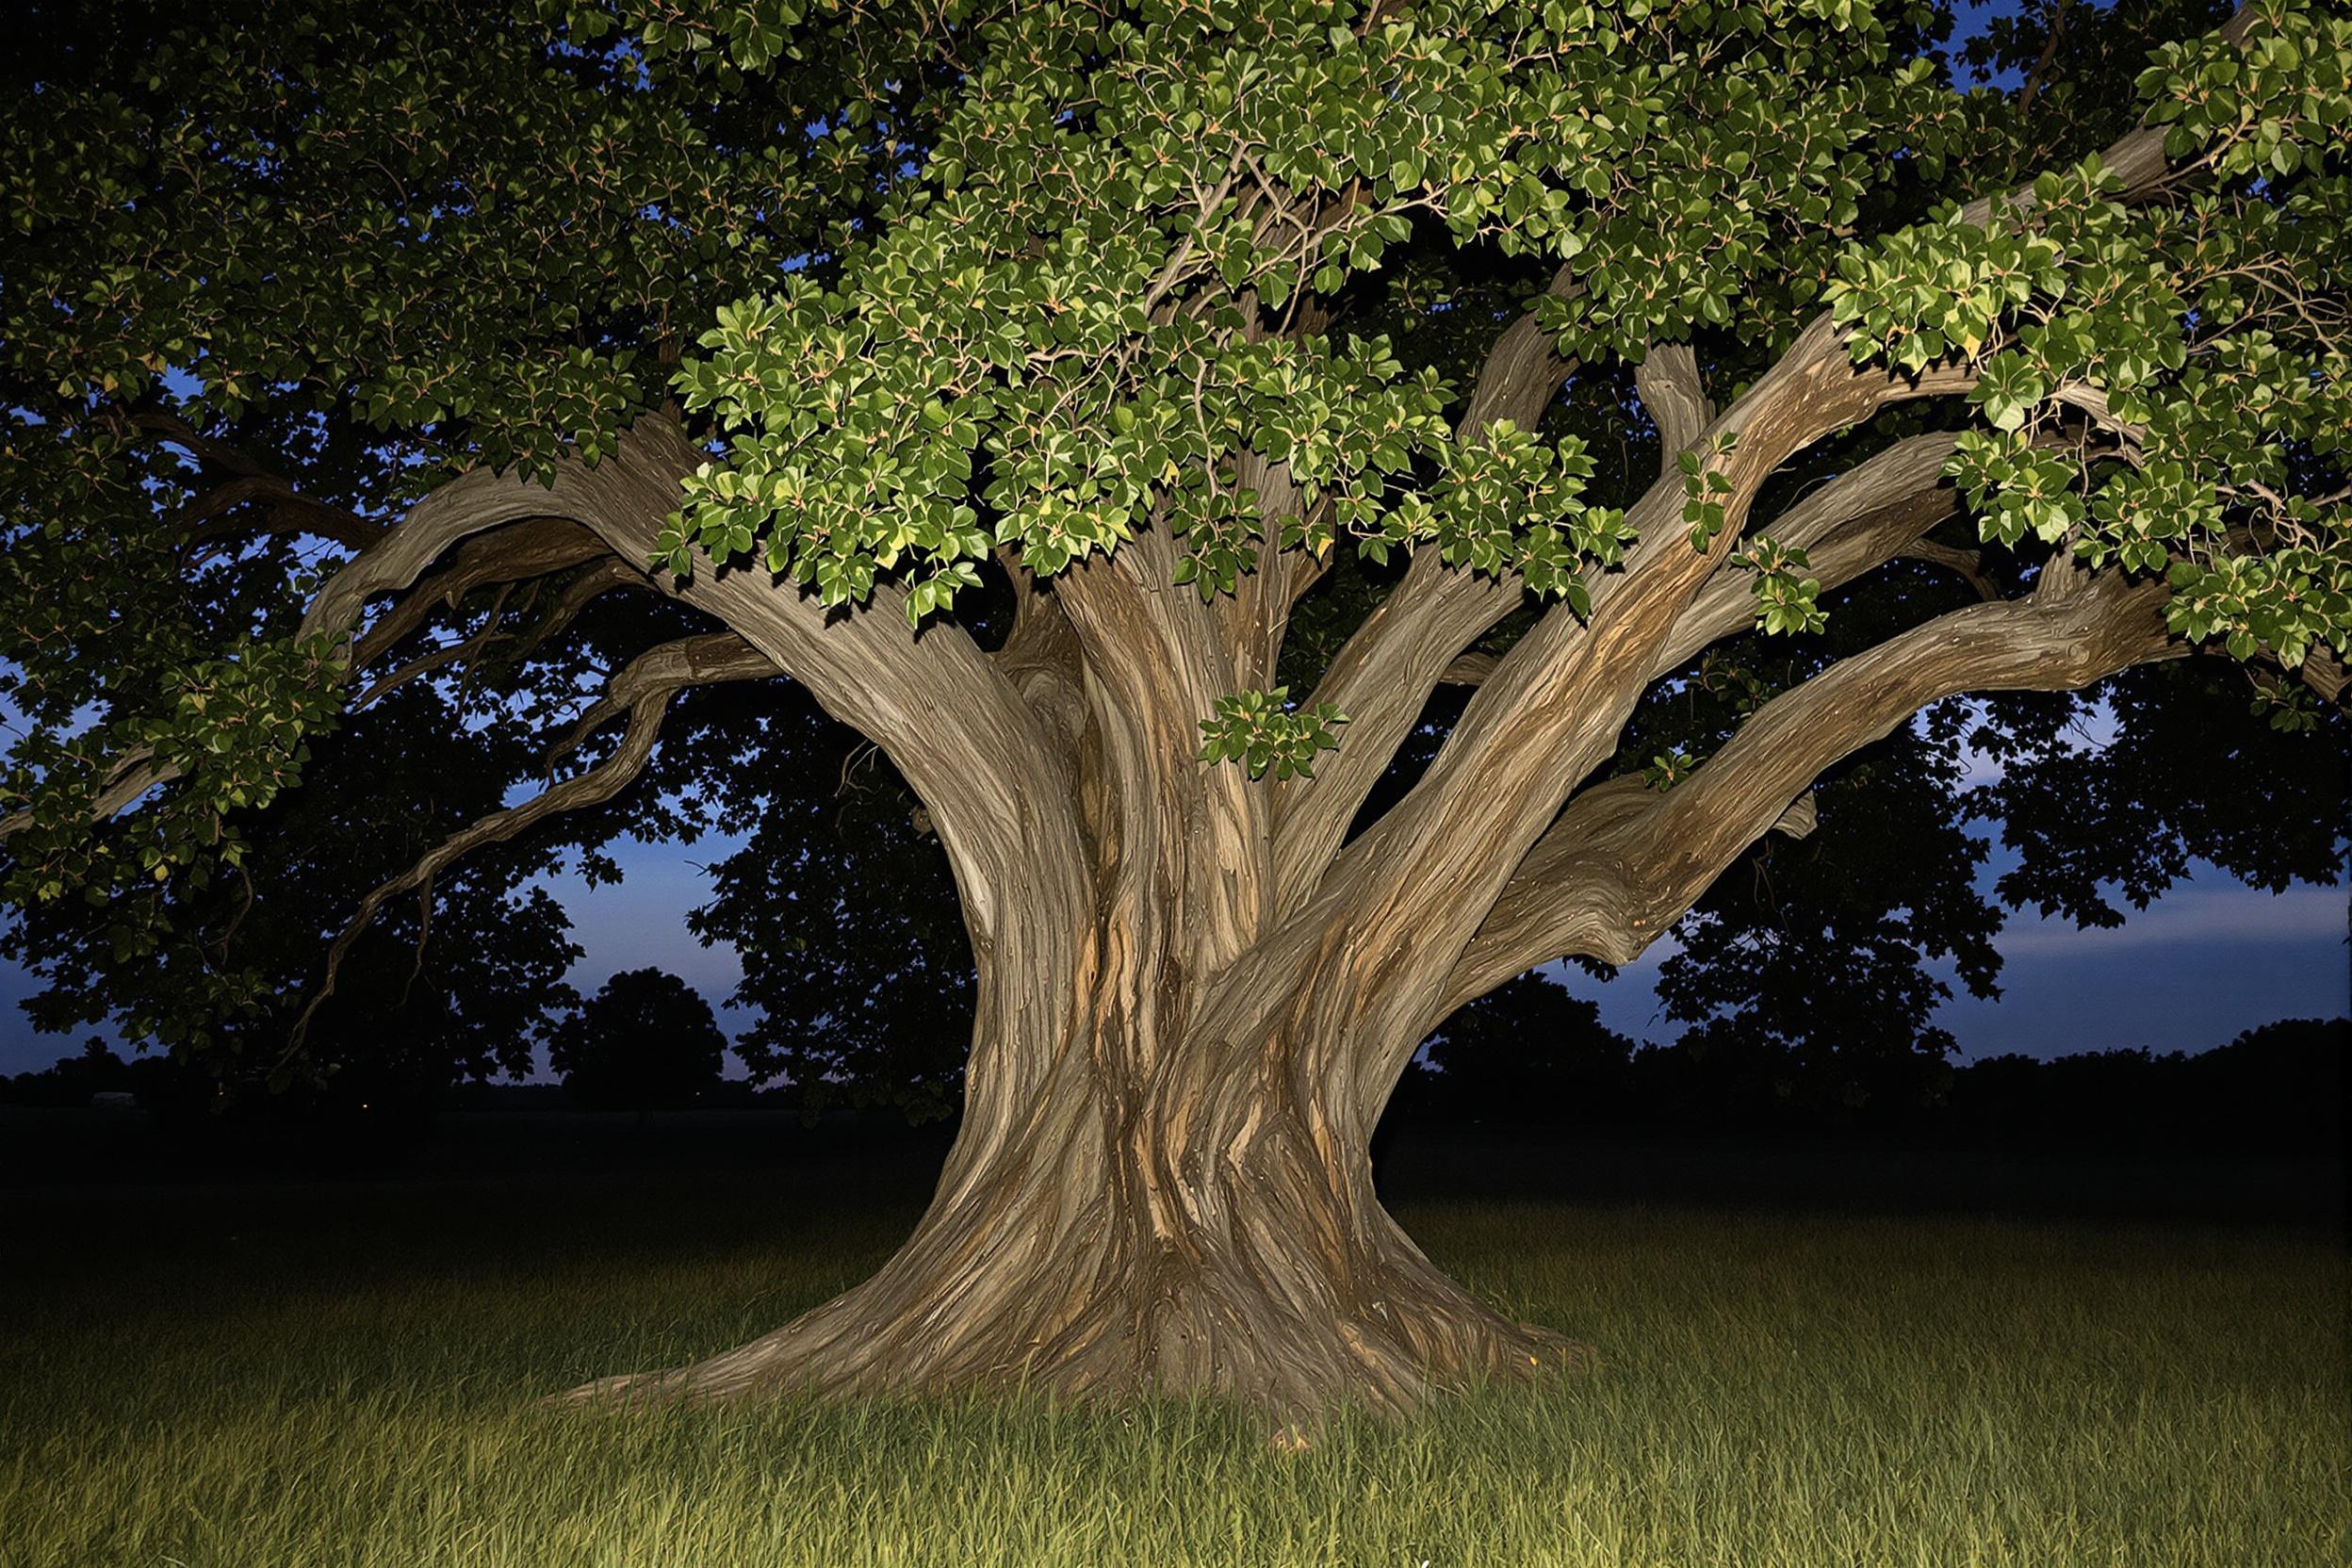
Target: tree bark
point(1207, 1226)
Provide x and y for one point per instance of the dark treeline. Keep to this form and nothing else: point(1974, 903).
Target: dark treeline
point(1533, 1056)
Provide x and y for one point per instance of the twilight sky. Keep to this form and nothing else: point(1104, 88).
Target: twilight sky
point(2211, 958)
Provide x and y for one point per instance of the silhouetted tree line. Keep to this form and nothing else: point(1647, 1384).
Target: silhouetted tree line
point(646, 1042)
point(1531, 1055)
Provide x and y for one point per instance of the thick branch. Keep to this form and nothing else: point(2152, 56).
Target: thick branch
point(1554, 704)
point(1858, 521)
point(1155, 665)
point(132, 775)
point(1040, 657)
point(1256, 616)
point(2136, 159)
point(1676, 395)
point(2324, 673)
point(1623, 862)
point(1869, 514)
point(1557, 702)
point(507, 555)
point(1384, 675)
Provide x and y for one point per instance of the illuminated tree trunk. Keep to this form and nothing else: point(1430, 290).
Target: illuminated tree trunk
point(1197, 989)
point(1182, 1216)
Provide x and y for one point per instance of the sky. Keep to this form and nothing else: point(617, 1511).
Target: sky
point(2201, 964)
point(2208, 960)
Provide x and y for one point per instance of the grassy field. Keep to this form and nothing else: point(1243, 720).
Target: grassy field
point(258, 1377)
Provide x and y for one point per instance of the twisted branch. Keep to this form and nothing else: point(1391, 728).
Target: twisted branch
point(641, 692)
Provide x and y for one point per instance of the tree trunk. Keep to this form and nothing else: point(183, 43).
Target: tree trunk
point(1200, 1224)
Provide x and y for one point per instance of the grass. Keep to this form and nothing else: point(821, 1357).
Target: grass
point(348, 1377)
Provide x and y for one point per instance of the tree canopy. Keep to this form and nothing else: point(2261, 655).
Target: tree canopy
point(959, 288)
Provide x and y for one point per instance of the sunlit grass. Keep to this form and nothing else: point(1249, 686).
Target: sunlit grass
point(354, 1380)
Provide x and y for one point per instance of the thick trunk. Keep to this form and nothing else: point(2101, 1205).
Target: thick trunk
point(1205, 1225)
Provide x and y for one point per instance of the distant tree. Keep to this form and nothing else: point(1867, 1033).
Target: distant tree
point(646, 1042)
point(1529, 1050)
point(2279, 1087)
point(2276, 1089)
point(843, 909)
point(71, 1080)
point(406, 1017)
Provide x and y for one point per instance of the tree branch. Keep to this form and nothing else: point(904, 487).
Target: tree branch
point(1623, 862)
point(1676, 395)
point(1155, 665)
point(507, 555)
point(293, 511)
point(1040, 656)
point(642, 690)
point(1855, 523)
point(1383, 675)
point(1869, 514)
point(1556, 703)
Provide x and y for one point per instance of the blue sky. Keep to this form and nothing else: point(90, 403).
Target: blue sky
point(2211, 958)
point(2208, 959)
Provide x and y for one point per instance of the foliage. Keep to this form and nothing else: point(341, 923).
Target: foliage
point(2199, 340)
point(1527, 1051)
point(644, 1041)
point(408, 1011)
point(1256, 729)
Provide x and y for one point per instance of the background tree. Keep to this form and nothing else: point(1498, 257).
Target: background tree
point(646, 1042)
point(411, 1015)
point(1527, 1052)
point(1018, 399)
point(842, 907)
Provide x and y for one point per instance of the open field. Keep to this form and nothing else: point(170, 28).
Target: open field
point(276, 1375)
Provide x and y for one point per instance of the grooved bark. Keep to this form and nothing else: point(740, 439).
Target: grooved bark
point(1205, 1225)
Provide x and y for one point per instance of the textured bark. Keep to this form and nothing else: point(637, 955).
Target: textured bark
point(1194, 1224)
point(1625, 862)
point(1193, 1002)
point(1676, 395)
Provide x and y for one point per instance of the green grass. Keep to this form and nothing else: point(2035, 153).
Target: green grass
point(349, 1379)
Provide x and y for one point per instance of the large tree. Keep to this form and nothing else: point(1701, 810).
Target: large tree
point(1200, 446)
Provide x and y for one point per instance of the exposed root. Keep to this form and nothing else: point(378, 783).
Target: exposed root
point(890, 1337)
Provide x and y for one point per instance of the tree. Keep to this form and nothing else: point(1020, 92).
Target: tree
point(843, 910)
point(1527, 1050)
point(646, 1042)
point(411, 1014)
point(1252, 471)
